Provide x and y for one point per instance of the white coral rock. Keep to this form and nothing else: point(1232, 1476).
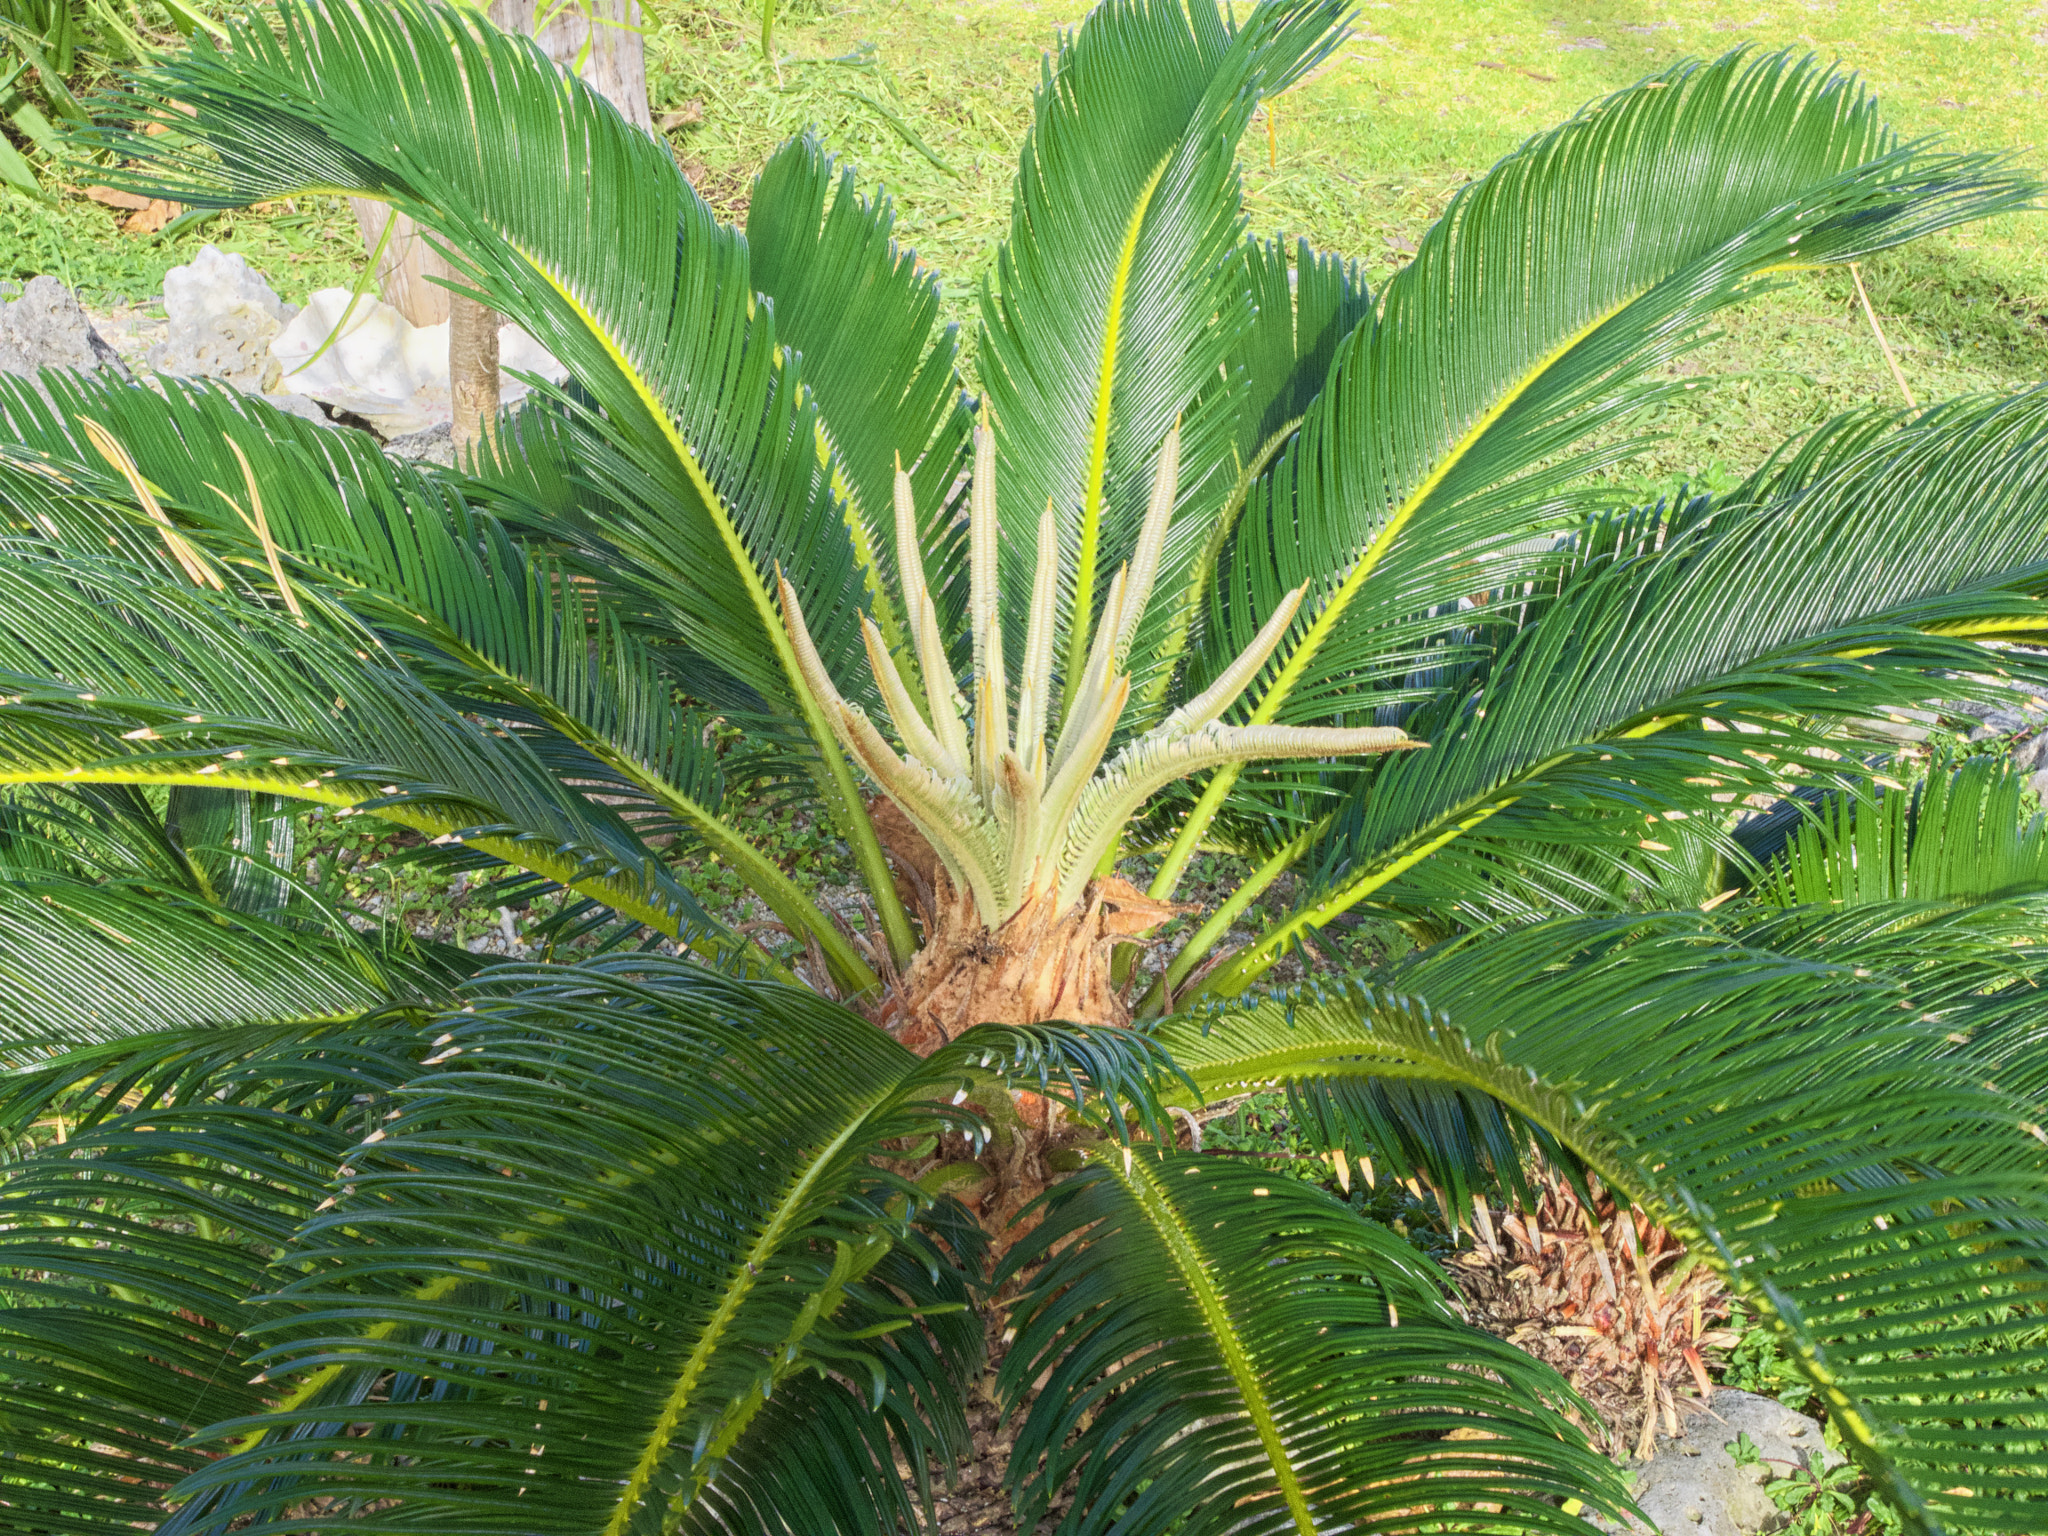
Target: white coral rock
point(383, 368)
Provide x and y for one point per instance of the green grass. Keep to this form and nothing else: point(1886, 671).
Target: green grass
point(931, 100)
point(311, 244)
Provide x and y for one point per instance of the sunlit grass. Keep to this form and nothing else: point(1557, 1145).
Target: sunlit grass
point(931, 101)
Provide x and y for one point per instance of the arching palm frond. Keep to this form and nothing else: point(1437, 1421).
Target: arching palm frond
point(626, 1213)
point(83, 961)
point(1216, 1349)
point(862, 313)
point(1302, 312)
point(1780, 615)
point(1116, 297)
point(704, 443)
point(133, 1249)
point(1842, 1160)
point(121, 917)
point(1463, 1143)
point(1958, 836)
point(476, 613)
point(118, 677)
point(1538, 310)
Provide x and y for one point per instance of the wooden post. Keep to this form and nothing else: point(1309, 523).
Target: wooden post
point(472, 371)
point(616, 67)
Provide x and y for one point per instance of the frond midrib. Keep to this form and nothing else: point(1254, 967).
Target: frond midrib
point(1570, 1121)
point(1196, 1274)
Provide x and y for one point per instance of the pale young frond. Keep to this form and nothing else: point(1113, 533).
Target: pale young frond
point(1235, 678)
point(985, 594)
point(911, 730)
point(1160, 757)
point(1092, 695)
point(810, 665)
point(1009, 827)
point(941, 691)
point(1151, 544)
point(922, 616)
point(951, 817)
point(1036, 686)
point(1070, 784)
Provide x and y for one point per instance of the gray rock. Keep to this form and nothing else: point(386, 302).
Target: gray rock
point(1906, 725)
point(303, 406)
point(2030, 757)
point(222, 319)
point(46, 328)
point(434, 445)
point(2027, 713)
point(1694, 1487)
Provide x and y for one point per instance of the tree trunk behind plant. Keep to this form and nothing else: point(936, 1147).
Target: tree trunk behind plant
point(472, 370)
point(616, 67)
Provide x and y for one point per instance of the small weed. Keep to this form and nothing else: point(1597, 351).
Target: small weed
point(1816, 1500)
point(1756, 1364)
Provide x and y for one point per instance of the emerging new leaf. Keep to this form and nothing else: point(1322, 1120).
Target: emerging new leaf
point(1021, 831)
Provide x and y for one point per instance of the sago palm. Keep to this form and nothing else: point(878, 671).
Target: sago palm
point(314, 1225)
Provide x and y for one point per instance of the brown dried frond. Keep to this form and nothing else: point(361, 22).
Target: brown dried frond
point(1612, 1301)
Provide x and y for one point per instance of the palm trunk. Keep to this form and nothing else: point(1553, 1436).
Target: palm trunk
point(976, 1503)
point(472, 372)
point(1040, 964)
point(600, 40)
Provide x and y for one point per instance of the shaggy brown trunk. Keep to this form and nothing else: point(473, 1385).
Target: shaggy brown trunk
point(1039, 965)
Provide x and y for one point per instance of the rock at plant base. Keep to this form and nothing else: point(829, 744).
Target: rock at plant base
point(222, 319)
point(1694, 1487)
point(46, 328)
point(305, 407)
point(384, 369)
point(435, 445)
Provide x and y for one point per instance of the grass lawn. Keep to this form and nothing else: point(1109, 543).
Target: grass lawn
point(930, 101)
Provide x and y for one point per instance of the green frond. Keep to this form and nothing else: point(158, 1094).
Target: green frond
point(1633, 224)
point(863, 314)
point(1958, 836)
point(1606, 717)
point(1462, 1143)
point(469, 609)
point(692, 421)
point(88, 961)
point(621, 1240)
point(1842, 1156)
point(1214, 1349)
point(1301, 315)
point(133, 1249)
point(117, 676)
point(317, 104)
point(1538, 310)
point(1115, 299)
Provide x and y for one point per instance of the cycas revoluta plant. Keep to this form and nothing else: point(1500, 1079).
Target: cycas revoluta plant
point(313, 1228)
